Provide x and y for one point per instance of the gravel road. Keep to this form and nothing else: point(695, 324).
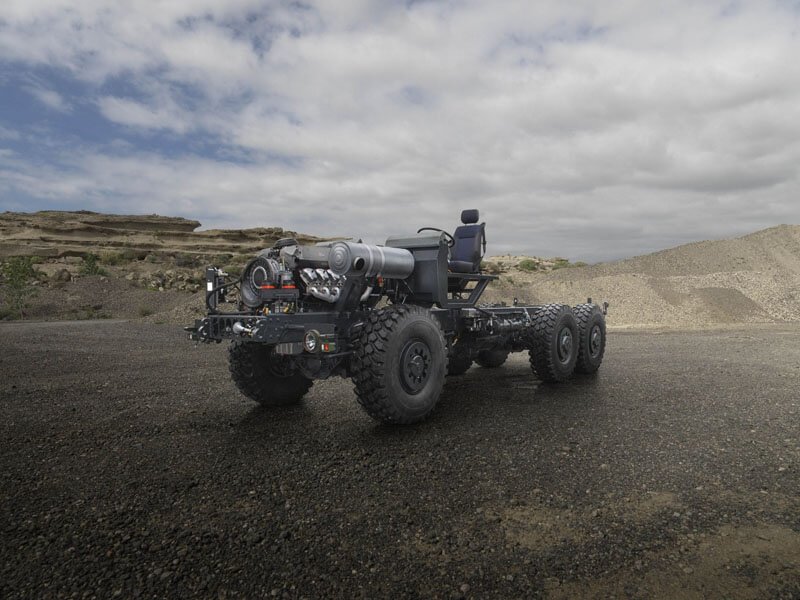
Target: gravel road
point(131, 467)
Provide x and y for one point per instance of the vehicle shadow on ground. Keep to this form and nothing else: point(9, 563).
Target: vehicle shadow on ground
point(512, 395)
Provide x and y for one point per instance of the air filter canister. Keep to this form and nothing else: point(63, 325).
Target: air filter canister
point(366, 260)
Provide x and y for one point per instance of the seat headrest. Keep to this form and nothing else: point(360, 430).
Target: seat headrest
point(470, 216)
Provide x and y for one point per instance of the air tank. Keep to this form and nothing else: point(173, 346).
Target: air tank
point(366, 260)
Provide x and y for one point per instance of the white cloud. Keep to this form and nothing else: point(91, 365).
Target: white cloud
point(165, 115)
point(50, 98)
point(582, 129)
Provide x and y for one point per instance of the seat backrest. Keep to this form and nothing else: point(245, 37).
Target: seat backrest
point(466, 253)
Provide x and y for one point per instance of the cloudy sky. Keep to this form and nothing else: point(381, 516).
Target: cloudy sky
point(592, 130)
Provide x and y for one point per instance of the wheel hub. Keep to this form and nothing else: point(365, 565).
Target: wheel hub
point(565, 343)
point(415, 366)
point(595, 340)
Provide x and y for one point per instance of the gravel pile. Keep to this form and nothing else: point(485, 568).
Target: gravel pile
point(746, 280)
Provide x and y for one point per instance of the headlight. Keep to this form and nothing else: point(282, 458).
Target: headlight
point(311, 341)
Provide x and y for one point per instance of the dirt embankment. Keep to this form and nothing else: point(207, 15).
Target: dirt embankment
point(752, 279)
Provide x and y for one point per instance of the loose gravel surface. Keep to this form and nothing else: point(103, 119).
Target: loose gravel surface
point(131, 467)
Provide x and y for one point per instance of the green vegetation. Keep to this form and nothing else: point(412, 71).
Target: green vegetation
point(91, 265)
point(17, 273)
point(234, 264)
point(233, 269)
point(560, 263)
point(145, 311)
point(563, 263)
point(528, 264)
point(118, 258)
point(187, 260)
point(220, 259)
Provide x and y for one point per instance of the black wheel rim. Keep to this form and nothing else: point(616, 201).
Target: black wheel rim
point(565, 345)
point(595, 341)
point(415, 366)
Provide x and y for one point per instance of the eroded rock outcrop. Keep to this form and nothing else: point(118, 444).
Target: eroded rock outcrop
point(58, 234)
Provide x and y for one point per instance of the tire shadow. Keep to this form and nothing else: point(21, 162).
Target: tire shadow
point(507, 395)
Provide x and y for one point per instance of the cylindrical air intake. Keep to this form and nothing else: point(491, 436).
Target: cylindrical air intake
point(365, 260)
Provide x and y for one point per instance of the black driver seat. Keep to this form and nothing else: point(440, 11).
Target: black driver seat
point(470, 244)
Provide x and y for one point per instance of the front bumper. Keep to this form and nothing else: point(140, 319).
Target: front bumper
point(285, 331)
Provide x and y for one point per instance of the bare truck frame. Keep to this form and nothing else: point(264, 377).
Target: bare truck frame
point(397, 319)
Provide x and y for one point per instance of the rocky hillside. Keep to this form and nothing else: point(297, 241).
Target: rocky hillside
point(56, 234)
point(91, 265)
point(755, 278)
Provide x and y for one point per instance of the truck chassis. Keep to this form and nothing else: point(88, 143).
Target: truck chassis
point(397, 319)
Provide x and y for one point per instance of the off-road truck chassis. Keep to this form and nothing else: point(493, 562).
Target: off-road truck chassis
point(397, 319)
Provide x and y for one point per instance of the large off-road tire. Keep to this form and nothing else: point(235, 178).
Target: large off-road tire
point(491, 359)
point(592, 334)
point(553, 343)
point(264, 376)
point(400, 363)
point(458, 364)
